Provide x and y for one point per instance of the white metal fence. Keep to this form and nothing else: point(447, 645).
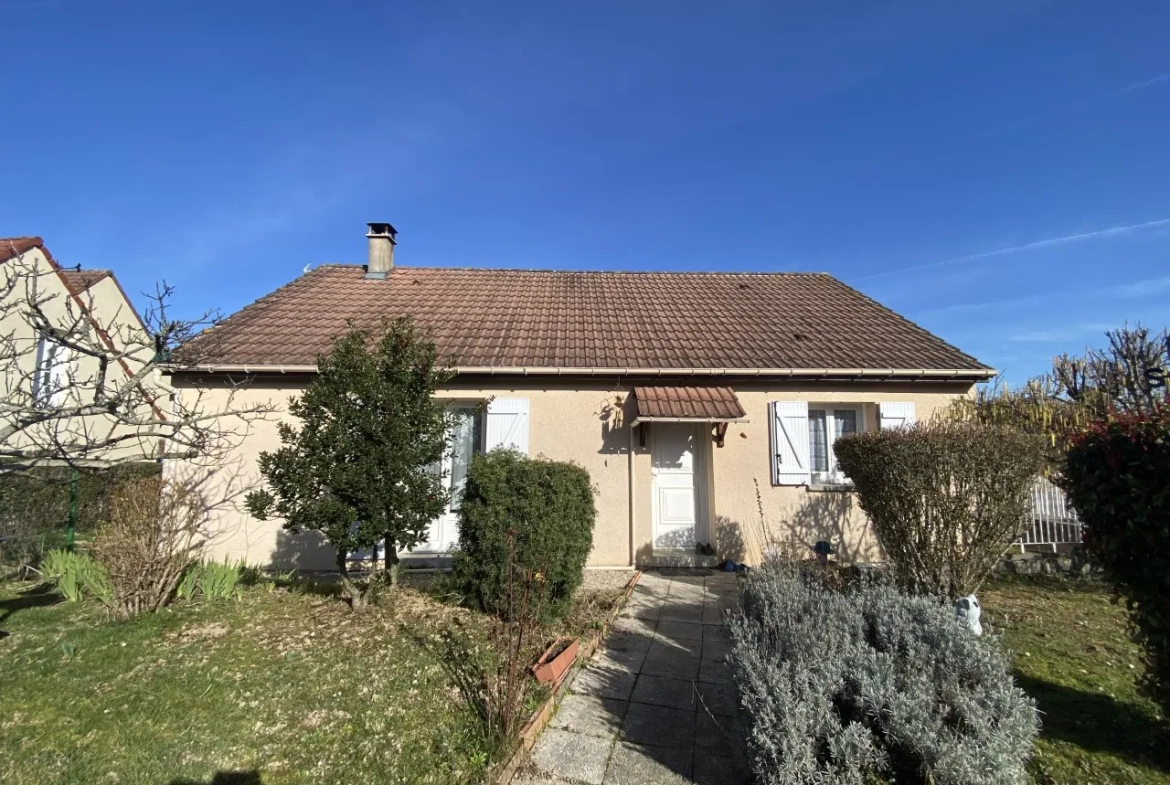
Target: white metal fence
point(1054, 521)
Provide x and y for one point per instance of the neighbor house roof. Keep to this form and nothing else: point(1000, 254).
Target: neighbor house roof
point(80, 280)
point(14, 246)
point(687, 403)
point(552, 321)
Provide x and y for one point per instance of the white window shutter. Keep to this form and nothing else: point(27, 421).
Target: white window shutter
point(507, 425)
point(58, 373)
point(789, 430)
point(896, 415)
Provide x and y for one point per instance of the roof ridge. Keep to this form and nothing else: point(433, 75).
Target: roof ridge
point(465, 268)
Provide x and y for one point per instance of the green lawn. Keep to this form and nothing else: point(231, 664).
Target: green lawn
point(1072, 654)
point(287, 683)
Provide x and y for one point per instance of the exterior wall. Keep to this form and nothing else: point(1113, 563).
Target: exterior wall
point(589, 424)
point(797, 515)
point(108, 308)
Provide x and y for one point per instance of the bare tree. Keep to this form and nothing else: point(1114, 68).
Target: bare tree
point(82, 382)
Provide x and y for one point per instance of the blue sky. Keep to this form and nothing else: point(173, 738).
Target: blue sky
point(996, 171)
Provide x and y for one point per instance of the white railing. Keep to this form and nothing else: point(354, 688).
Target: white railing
point(1054, 521)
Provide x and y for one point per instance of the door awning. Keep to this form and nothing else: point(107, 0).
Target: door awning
point(687, 404)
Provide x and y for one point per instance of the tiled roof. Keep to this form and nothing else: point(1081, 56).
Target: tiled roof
point(545, 319)
point(698, 403)
point(14, 246)
point(80, 280)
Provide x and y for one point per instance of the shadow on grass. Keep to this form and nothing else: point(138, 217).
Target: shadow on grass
point(1098, 723)
point(225, 778)
point(37, 597)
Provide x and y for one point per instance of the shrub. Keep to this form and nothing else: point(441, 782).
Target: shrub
point(152, 538)
point(76, 575)
point(945, 498)
point(1116, 476)
point(845, 688)
point(547, 506)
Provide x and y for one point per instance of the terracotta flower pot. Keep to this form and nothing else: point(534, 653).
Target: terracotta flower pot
point(555, 662)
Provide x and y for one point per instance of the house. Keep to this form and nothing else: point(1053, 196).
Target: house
point(702, 404)
point(63, 333)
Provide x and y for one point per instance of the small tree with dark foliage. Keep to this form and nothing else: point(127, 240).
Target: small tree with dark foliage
point(361, 469)
point(945, 498)
point(1116, 475)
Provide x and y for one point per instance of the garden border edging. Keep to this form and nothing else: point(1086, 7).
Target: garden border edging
point(541, 717)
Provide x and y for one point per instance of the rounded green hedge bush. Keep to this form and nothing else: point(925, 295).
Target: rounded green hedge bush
point(545, 508)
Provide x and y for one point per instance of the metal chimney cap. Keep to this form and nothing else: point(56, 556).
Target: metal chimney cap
point(381, 230)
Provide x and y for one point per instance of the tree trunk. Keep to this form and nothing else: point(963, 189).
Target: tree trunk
point(392, 562)
point(342, 566)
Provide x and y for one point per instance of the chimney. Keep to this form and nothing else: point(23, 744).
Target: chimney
point(381, 261)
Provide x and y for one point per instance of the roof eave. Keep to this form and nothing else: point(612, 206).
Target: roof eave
point(956, 374)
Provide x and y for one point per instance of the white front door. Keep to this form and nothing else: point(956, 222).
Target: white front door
point(674, 499)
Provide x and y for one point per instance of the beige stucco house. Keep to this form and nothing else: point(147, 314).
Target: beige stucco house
point(65, 332)
point(704, 405)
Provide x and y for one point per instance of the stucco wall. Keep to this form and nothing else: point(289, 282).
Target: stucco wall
point(590, 425)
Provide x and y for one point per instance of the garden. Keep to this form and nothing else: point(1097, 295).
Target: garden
point(128, 657)
point(901, 673)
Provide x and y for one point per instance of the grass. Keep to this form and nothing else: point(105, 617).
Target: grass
point(1073, 656)
point(288, 684)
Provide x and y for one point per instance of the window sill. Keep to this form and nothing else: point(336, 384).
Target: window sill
point(831, 488)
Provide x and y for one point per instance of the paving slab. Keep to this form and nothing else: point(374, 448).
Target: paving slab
point(674, 665)
point(631, 764)
point(711, 770)
point(568, 755)
point(717, 698)
point(659, 726)
point(590, 715)
point(715, 672)
point(659, 691)
point(605, 682)
point(663, 647)
point(680, 630)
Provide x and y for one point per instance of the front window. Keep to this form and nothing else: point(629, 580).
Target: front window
point(825, 426)
point(466, 442)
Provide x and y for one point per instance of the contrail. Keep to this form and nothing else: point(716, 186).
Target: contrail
point(1068, 238)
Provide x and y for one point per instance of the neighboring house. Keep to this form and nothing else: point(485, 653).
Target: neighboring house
point(695, 400)
point(44, 374)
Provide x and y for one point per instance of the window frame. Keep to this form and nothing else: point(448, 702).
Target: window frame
point(834, 477)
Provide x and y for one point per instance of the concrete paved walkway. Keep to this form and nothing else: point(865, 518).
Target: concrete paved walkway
point(656, 705)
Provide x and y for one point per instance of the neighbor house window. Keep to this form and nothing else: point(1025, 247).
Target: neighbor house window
point(51, 377)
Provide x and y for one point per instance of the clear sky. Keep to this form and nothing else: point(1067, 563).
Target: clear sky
point(997, 171)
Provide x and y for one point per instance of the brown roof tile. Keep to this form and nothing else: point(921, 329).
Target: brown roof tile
point(488, 318)
point(80, 280)
point(14, 246)
point(699, 403)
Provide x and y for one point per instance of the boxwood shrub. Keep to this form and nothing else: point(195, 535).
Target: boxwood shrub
point(548, 508)
point(871, 685)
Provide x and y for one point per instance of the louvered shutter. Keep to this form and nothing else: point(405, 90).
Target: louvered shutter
point(58, 373)
point(789, 431)
point(896, 415)
point(507, 425)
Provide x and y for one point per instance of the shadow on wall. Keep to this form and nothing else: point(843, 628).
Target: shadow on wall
point(304, 551)
point(831, 516)
point(729, 542)
point(225, 778)
point(613, 412)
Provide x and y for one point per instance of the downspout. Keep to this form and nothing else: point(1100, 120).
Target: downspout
point(631, 495)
